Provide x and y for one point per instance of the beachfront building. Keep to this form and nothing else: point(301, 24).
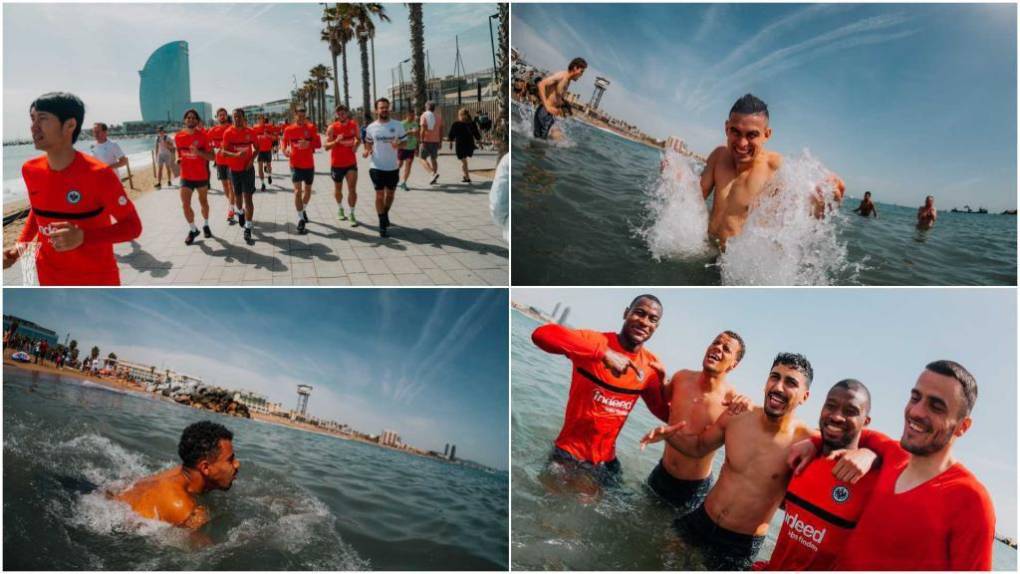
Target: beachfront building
point(31, 330)
point(277, 110)
point(165, 88)
point(389, 438)
point(153, 375)
point(258, 403)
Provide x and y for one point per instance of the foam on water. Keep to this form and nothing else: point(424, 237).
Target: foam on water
point(522, 123)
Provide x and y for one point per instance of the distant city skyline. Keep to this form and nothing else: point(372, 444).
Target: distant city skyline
point(904, 100)
point(240, 54)
point(428, 364)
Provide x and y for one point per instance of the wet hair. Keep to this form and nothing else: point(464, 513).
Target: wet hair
point(797, 361)
point(65, 106)
point(963, 376)
point(867, 193)
point(192, 111)
point(645, 296)
point(853, 385)
point(749, 105)
point(380, 100)
point(201, 441)
point(734, 335)
point(103, 126)
point(577, 63)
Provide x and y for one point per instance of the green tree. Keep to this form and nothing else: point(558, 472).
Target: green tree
point(364, 30)
point(418, 55)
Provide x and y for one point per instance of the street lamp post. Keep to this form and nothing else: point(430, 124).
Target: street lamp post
point(493, 42)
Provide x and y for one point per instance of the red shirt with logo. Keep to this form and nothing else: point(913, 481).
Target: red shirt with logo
point(264, 137)
point(341, 155)
point(599, 401)
point(215, 135)
point(193, 166)
point(303, 141)
point(242, 140)
point(88, 194)
point(821, 513)
point(946, 523)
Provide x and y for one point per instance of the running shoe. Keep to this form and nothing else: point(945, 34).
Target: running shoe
point(403, 186)
point(341, 215)
point(466, 179)
point(247, 236)
point(264, 185)
point(301, 227)
point(354, 221)
point(270, 180)
point(304, 216)
point(206, 231)
point(191, 237)
point(230, 217)
point(435, 178)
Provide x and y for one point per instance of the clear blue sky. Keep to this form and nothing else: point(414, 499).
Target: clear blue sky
point(430, 364)
point(904, 100)
point(883, 337)
point(241, 54)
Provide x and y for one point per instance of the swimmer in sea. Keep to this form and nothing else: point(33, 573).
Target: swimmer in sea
point(867, 208)
point(926, 214)
point(208, 463)
point(551, 92)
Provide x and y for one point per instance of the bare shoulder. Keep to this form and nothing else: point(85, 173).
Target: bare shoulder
point(775, 160)
point(175, 505)
point(717, 154)
point(801, 431)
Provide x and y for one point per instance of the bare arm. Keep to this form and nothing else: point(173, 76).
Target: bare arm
point(708, 176)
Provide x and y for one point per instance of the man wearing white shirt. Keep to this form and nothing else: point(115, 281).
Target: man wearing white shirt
point(383, 138)
point(105, 150)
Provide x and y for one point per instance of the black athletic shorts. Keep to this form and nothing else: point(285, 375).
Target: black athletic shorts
point(265, 156)
point(543, 122)
point(243, 181)
point(339, 173)
point(405, 154)
point(301, 174)
point(722, 549)
point(685, 495)
point(384, 179)
point(222, 172)
point(605, 473)
point(194, 184)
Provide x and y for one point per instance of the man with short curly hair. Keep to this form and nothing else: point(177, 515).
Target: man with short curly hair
point(208, 463)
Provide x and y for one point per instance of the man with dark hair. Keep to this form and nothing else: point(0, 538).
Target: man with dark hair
point(238, 148)
point(195, 154)
point(926, 214)
point(610, 372)
point(164, 150)
point(552, 91)
point(300, 140)
point(264, 140)
point(73, 198)
point(431, 134)
point(342, 141)
point(215, 135)
point(730, 525)
point(382, 140)
point(867, 207)
point(106, 150)
point(697, 399)
point(207, 463)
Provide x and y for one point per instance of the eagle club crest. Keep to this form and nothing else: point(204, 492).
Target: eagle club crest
point(73, 197)
point(840, 494)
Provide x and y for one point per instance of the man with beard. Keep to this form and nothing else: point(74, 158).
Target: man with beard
point(610, 371)
point(698, 399)
point(927, 214)
point(195, 154)
point(927, 512)
point(730, 526)
point(238, 148)
point(208, 463)
point(215, 135)
point(824, 502)
point(383, 138)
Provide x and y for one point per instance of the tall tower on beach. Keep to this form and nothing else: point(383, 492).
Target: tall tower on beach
point(600, 88)
point(303, 392)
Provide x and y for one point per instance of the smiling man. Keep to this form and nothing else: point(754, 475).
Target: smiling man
point(611, 370)
point(208, 463)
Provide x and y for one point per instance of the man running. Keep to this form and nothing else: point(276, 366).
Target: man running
point(823, 503)
point(73, 198)
point(215, 135)
point(431, 135)
point(405, 155)
point(731, 524)
point(551, 91)
point(193, 148)
point(238, 148)
point(208, 463)
point(342, 141)
point(164, 158)
point(697, 399)
point(264, 140)
point(867, 207)
point(383, 138)
point(610, 371)
point(926, 214)
point(300, 140)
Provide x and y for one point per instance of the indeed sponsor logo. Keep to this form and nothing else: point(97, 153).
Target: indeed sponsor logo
point(805, 530)
point(618, 406)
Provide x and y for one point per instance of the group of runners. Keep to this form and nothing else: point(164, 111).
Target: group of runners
point(854, 499)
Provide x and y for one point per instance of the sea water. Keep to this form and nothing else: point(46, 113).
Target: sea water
point(593, 209)
point(624, 529)
point(301, 501)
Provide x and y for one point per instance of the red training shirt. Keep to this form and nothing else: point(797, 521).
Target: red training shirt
point(264, 137)
point(193, 167)
point(303, 141)
point(341, 155)
point(235, 140)
point(215, 135)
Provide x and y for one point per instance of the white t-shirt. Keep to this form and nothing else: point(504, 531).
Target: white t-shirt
point(107, 152)
point(382, 136)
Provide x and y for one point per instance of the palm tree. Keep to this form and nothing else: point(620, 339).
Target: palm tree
point(95, 353)
point(320, 75)
point(364, 30)
point(417, 55)
point(340, 25)
point(503, 121)
point(309, 93)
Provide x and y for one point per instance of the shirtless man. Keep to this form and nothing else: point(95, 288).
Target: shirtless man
point(730, 526)
point(926, 214)
point(208, 463)
point(698, 399)
point(551, 90)
point(867, 208)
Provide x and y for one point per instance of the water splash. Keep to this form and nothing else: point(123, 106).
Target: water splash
point(522, 123)
point(679, 227)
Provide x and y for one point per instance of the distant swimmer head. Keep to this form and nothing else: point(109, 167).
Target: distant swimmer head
point(577, 67)
point(867, 195)
point(847, 410)
point(929, 201)
point(641, 319)
point(56, 120)
point(724, 353)
point(747, 128)
point(208, 447)
point(938, 411)
point(788, 385)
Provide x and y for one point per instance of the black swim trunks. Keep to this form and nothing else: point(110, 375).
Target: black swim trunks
point(543, 122)
point(265, 156)
point(384, 179)
point(684, 495)
point(300, 174)
point(243, 181)
point(193, 184)
point(339, 173)
point(222, 172)
point(605, 473)
point(722, 549)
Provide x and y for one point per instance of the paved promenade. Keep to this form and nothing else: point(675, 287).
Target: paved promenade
point(439, 235)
